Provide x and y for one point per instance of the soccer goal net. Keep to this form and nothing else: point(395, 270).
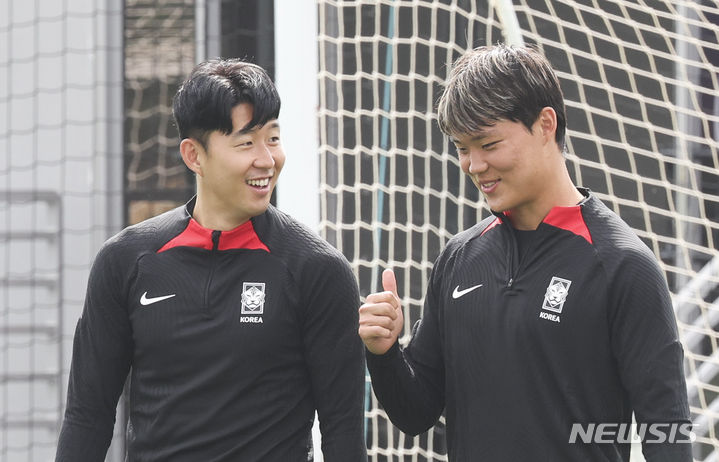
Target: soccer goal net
point(641, 82)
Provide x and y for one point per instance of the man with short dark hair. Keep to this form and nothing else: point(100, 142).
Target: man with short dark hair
point(236, 322)
point(548, 317)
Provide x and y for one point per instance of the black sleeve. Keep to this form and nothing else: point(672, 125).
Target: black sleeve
point(650, 357)
point(409, 382)
point(100, 363)
point(335, 357)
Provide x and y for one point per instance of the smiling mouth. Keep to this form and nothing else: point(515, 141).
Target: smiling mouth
point(488, 185)
point(259, 183)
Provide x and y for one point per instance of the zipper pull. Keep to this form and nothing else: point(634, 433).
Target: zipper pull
point(216, 239)
point(510, 282)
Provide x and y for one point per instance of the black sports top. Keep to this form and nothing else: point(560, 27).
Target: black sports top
point(515, 351)
point(233, 339)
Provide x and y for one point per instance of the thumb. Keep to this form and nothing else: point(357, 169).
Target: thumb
point(389, 282)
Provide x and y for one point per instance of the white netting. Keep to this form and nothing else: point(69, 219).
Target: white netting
point(159, 53)
point(61, 179)
point(641, 85)
point(55, 120)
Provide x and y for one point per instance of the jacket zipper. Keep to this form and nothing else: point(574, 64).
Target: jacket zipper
point(513, 257)
point(517, 262)
point(211, 272)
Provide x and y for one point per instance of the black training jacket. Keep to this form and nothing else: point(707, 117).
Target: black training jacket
point(232, 340)
point(579, 330)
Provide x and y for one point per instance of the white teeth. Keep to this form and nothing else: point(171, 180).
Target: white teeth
point(259, 183)
point(489, 185)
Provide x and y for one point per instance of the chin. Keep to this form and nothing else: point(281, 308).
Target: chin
point(259, 209)
point(497, 206)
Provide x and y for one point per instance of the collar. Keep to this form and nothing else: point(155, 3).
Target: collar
point(567, 218)
point(195, 235)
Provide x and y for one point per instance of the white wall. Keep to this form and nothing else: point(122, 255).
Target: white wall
point(296, 79)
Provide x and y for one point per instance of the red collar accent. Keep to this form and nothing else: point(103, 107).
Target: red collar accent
point(567, 218)
point(570, 219)
point(497, 221)
point(195, 235)
point(242, 237)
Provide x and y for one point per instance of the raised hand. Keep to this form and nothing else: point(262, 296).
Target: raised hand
point(380, 317)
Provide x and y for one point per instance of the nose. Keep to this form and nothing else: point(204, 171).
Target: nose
point(264, 157)
point(475, 162)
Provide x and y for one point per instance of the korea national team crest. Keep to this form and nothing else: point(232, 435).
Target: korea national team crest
point(253, 300)
point(556, 294)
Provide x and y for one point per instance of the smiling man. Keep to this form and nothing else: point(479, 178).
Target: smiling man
point(546, 321)
point(234, 321)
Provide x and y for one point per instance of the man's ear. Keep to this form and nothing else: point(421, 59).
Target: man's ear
point(190, 149)
point(548, 123)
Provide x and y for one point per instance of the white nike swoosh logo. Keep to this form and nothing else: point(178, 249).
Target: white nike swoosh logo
point(144, 300)
point(458, 293)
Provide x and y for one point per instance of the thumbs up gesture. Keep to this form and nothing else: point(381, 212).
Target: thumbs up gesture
point(380, 317)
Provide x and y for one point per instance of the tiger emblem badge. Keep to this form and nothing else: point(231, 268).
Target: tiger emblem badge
point(253, 297)
point(556, 294)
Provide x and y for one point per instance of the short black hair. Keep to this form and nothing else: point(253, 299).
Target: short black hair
point(501, 82)
point(206, 98)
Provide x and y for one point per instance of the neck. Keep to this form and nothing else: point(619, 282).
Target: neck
point(562, 194)
point(216, 215)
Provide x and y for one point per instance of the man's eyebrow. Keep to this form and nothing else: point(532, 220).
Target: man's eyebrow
point(245, 130)
point(477, 136)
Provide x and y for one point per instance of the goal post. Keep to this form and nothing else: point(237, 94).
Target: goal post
point(641, 83)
